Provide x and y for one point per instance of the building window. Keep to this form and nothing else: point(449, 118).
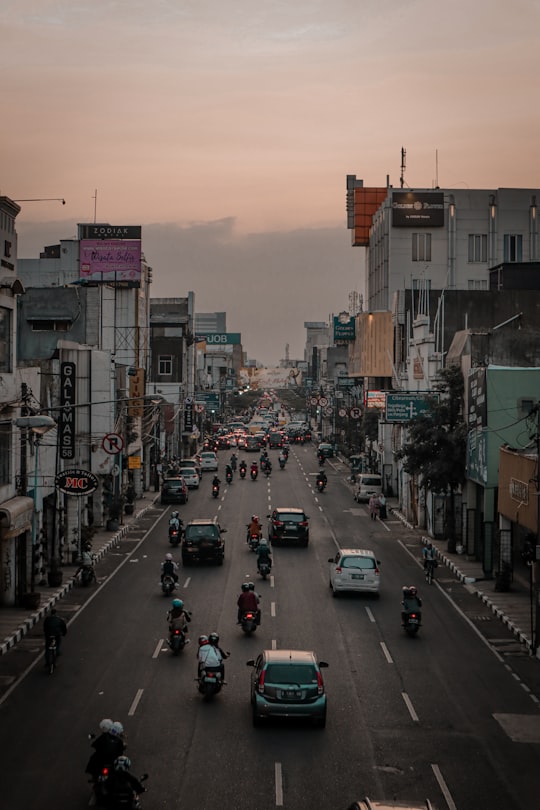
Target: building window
point(477, 284)
point(7, 248)
point(50, 326)
point(421, 247)
point(513, 247)
point(5, 454)
point(478, 247)
point(6, 358)
point(165, 365)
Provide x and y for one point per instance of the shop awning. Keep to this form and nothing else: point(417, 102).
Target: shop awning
point(15, 516)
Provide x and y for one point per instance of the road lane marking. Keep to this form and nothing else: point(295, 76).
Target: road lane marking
point(186, 583)
point(157, 651)
point(279, 785)
point(444, 787)
point(370, 614)
point(272, 609)
point(271, 580)
point(133, 707)
point(410, 707)
point(274, 644)
point(386, 653)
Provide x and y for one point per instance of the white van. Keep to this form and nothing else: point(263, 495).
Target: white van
point(367, 484)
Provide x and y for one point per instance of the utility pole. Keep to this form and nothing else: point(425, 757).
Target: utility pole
point(536, 562)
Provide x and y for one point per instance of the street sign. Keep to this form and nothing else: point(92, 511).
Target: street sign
point(328, 411)
point(403, 407)
point(323, 402)
point(342, 412)
point(355, 413)
point(113, 443)
point(76, 482)
point(313, 401)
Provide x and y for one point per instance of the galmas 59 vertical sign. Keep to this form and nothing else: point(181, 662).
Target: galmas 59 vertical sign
point(66, 420)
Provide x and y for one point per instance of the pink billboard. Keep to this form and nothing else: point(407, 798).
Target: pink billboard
point(110, 260)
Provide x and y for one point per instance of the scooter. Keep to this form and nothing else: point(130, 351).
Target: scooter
point(175, 536)
point(177, 640)
point(87, 575)
point(282, 462)
point(106, 798)
point(254, 473)
point(249, 621)
point(210, 681)
point(253, 542)
point(264, 569)
point(242, 471)
point(215, 490)
point(167, 584)
point(321, 484)
point(412, 622)
point(229, 477)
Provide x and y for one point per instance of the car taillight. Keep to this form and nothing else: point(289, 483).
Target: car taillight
point(260, 685)
point(320, 684)
point(338, 569)
point(304, 523)
point(278, 523)
point(377, 572)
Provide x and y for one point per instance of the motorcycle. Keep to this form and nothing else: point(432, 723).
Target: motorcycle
point(412, 622)
point(267, 469)
point(177, 640)
point(264, 569)
point(253, 542)
point(168, 584)
point(210, 681)
point(254, 473)
point(229, 476)
point(282, 462)
point(114, 800)
point(87, 575)
point(175, 536)
point(249, 621)
point(215, 490)
point(321, 484)
point(242, 471)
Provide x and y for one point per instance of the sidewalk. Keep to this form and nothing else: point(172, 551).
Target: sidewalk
point(513, 607)
point(17, 622)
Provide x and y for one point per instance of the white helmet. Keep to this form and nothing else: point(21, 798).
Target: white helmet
point(117, 728)
point(263, 542)
point(105, 725)
point(168, 556)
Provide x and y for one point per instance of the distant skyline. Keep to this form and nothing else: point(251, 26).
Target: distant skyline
point(227, 130)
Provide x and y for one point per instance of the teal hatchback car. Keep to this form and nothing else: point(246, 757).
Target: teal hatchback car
point(288, 683)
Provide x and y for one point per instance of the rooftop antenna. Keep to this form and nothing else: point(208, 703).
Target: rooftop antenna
point(436, 168)
point(95, 205)
point(402, 175)
point(287, 352)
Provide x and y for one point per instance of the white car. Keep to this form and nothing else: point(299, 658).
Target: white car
point(209, 460)
point(190, 476)
point(354, 569)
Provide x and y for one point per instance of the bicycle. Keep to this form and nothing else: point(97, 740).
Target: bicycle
point(51, 654)
point(430, 566)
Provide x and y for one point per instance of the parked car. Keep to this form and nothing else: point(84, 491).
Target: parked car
point(203, 541)
point(354, 569)
point(209, 461)
point(288, 683)
point(288, 524)
point(367, 484)
point(174, 490)
point(190, 476)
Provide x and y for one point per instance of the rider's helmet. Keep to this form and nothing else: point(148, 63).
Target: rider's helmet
point(168, 556)
point(412, 591)
point(175, 514)
point(263, 542)
point(245, 586)
point(203, 640)
point(117, 729)
point(177, 603)
point(213, 638)
point(122, 764)
point(251, 586)
point(105, 725)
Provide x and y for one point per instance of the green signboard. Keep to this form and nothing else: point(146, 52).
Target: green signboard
point(222, 338)
point(403, 407)
point(343, 330)
point(208, 398)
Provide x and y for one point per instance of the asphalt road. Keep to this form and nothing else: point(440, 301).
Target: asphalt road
point(446, 716)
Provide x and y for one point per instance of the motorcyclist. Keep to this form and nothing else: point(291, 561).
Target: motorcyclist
point(213, 638)
point(87, 561)
point(122, 786)
point(175, 522)
point(264, 459)
point(208, 656)
point(228, 473)
point(107, 747)
point(178, 617)
point(248, 600)
point(216, 482)
point(268, 467)
point(169, 568)
point(411, 602)
point(263, 554)
point(254, 527)
point(243, 465)
point(321, 477)
point(282, 459)
point(254, 469)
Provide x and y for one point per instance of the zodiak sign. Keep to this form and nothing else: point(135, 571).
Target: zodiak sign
point(76, 482)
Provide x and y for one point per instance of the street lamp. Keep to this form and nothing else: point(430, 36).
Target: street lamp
point(39, 425)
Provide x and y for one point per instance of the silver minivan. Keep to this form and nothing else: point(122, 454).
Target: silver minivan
point(367, 484)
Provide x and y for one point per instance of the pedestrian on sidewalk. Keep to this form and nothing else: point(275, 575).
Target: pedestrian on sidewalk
point(374, 507)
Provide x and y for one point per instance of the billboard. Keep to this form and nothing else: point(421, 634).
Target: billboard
point(110, 260)
point(262, 378)
point(417, 209)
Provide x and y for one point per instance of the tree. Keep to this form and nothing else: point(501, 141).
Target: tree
point(436, 444)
